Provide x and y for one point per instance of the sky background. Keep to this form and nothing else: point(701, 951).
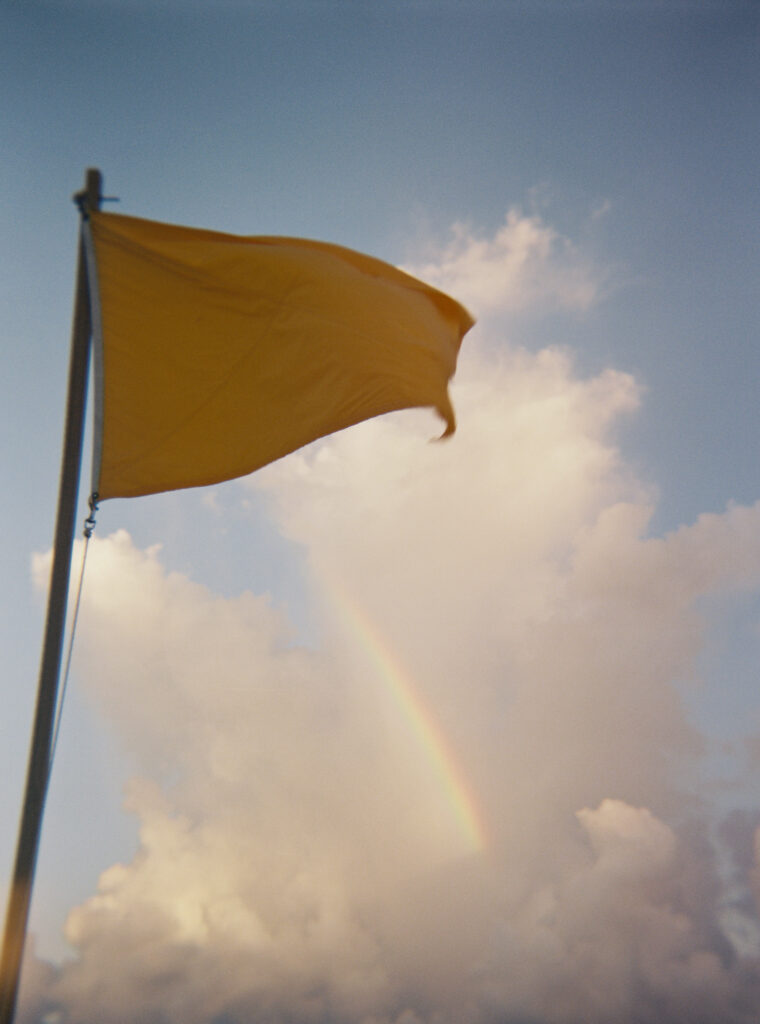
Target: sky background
point(390, 732)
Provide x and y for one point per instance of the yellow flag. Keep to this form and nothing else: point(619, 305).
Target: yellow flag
point(216, 354)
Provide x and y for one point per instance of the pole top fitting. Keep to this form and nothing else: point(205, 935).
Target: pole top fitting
point(90, 197)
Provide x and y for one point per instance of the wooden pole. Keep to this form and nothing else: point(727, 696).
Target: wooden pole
point(38, 770)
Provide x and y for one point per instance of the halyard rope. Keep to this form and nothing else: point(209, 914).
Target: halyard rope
point(89, 526)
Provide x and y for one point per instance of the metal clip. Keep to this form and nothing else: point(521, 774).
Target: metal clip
point(89, 523)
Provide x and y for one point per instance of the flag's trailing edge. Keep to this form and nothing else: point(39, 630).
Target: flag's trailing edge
point(216, 354)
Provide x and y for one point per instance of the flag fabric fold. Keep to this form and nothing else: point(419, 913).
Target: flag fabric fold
point(216, 354)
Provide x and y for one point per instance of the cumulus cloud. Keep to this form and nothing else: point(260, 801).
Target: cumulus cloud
point(526, 263)
point(500, 638)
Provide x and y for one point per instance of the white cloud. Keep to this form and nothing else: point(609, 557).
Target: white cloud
point(525, 265)
point(302, 854)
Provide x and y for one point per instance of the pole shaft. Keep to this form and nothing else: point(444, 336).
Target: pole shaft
point(38, 770)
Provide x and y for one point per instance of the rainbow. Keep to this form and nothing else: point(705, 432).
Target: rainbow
point(419, 717)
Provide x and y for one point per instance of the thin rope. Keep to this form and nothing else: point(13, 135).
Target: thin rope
point(89, 526)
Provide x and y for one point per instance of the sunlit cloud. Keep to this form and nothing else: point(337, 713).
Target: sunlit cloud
point(525, 264)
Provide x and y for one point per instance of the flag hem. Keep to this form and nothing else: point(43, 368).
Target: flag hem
point(96, 320)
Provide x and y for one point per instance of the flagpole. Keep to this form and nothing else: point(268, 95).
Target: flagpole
point(38, 770)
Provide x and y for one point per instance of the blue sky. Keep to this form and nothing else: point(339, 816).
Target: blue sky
point(624, 139)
